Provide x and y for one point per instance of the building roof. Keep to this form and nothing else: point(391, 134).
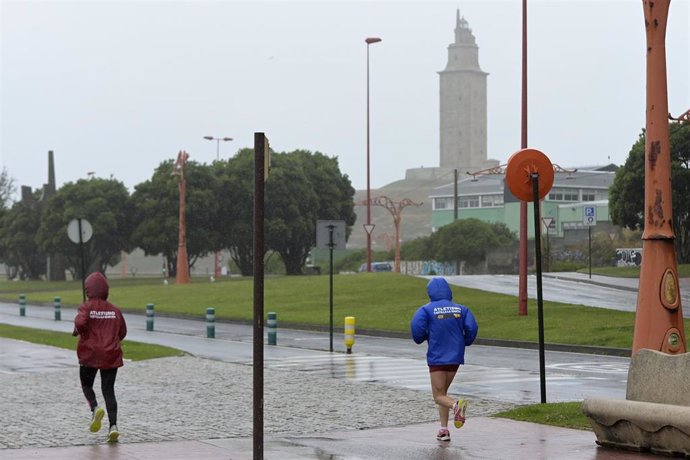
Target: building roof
point(494, 183)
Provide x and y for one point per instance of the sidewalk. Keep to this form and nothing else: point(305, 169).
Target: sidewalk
point(481, 438)
point(194, 408)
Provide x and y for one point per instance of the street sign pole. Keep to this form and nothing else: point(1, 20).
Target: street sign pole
point(83, 269)
point(331, 245)
point(590, 251)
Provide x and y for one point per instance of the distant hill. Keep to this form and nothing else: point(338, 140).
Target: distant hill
point(415, 222)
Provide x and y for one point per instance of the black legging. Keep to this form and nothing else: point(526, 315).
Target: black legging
point(87, 375)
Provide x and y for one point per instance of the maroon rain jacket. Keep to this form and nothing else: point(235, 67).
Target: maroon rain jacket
point(100, 327)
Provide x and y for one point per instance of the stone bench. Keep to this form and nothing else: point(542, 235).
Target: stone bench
point(655, 416)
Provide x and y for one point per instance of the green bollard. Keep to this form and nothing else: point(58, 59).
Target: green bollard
point(272, 327)
point(56, 307)
point(149, 316)
point(210, 323)
point(22, 305)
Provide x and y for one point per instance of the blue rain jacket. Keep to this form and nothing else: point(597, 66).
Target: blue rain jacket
point(446, 326)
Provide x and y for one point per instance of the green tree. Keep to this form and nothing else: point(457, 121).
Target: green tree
point(626, 196)
point(235, 220)
point(7, 188)
point(106, 204)
point(291, 212)
point(18, 249)
point(469, 240)
point(304, 187)
point(156, 213)
point(417, 249)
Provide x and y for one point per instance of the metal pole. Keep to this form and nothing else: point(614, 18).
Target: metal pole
point(368, 174)
point(330, 276)
point(258, 400)
point(590, 251)
point(83, 268)
point(540, 301)
point(522, 284)
point(659, 315)
point(455, 195)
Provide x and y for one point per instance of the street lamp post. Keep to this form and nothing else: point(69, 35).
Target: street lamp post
point(368, 228)
point(216, 255)
point(217, 139)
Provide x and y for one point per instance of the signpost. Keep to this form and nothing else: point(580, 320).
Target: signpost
point(79, 231)
point(589, 218)
point(548, 223)
point(330, 234)
point(529, 176)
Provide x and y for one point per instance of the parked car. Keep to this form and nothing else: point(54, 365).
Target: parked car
point(377, 267)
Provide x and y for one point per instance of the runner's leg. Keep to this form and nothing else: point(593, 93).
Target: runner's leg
point(440, 382)
point(108, 389)
point(87, 375)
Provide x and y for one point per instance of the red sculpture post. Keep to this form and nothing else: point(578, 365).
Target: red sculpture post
point(182, 258)
point(659, 318)
point(395, 208)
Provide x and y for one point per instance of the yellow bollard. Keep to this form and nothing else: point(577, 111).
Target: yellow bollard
point(349, 333)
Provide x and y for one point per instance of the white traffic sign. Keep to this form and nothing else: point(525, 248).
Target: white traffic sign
point(73, 231)
point(368, 228)
point(324, 229)
point(548, 223)
point(589, 215)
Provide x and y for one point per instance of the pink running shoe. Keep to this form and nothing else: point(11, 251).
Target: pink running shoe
point(459, 409)
point(443, 435)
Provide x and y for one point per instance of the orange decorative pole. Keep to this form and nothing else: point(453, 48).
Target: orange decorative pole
point(395, 208)
point(659, 318)
point(182, 258)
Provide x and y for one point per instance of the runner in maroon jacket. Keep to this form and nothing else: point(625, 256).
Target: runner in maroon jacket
point(100, 327)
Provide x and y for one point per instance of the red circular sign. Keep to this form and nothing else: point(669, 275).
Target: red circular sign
point(520, 169)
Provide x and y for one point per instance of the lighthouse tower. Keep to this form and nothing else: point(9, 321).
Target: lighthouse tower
point(463, 104)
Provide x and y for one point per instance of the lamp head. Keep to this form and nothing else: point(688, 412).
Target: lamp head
point(210, 138)
point(371, 40)
point(227, 139)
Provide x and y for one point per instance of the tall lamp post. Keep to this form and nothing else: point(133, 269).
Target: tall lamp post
point(216, 255)
point(368, 227)
point(218, 139)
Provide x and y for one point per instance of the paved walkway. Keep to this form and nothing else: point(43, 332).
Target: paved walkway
point(189, 407)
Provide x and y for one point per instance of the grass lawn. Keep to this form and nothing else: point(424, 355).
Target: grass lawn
point(567, 415)
point(136, 351)
point(379, 301)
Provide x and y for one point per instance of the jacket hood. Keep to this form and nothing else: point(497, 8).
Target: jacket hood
point(96, 286)
point(438, 289)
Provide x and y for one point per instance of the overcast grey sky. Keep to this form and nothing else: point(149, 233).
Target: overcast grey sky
point(117, 87)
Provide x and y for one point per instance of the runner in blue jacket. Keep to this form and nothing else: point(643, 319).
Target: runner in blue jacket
point(448, 328)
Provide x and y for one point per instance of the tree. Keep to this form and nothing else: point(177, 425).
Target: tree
point(417, 249)
point(292, 209)
point(235, 224)
point(469, 240)
point(156, 213)
point(626, 196)
point(301, 188)
point(304, 187)
point(106, 204)
point(18, 248)
point(7, 188)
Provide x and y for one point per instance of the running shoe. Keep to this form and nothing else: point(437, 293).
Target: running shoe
point(443, 435)
point(459, 409)
point(96, 418)
point(113, 434)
